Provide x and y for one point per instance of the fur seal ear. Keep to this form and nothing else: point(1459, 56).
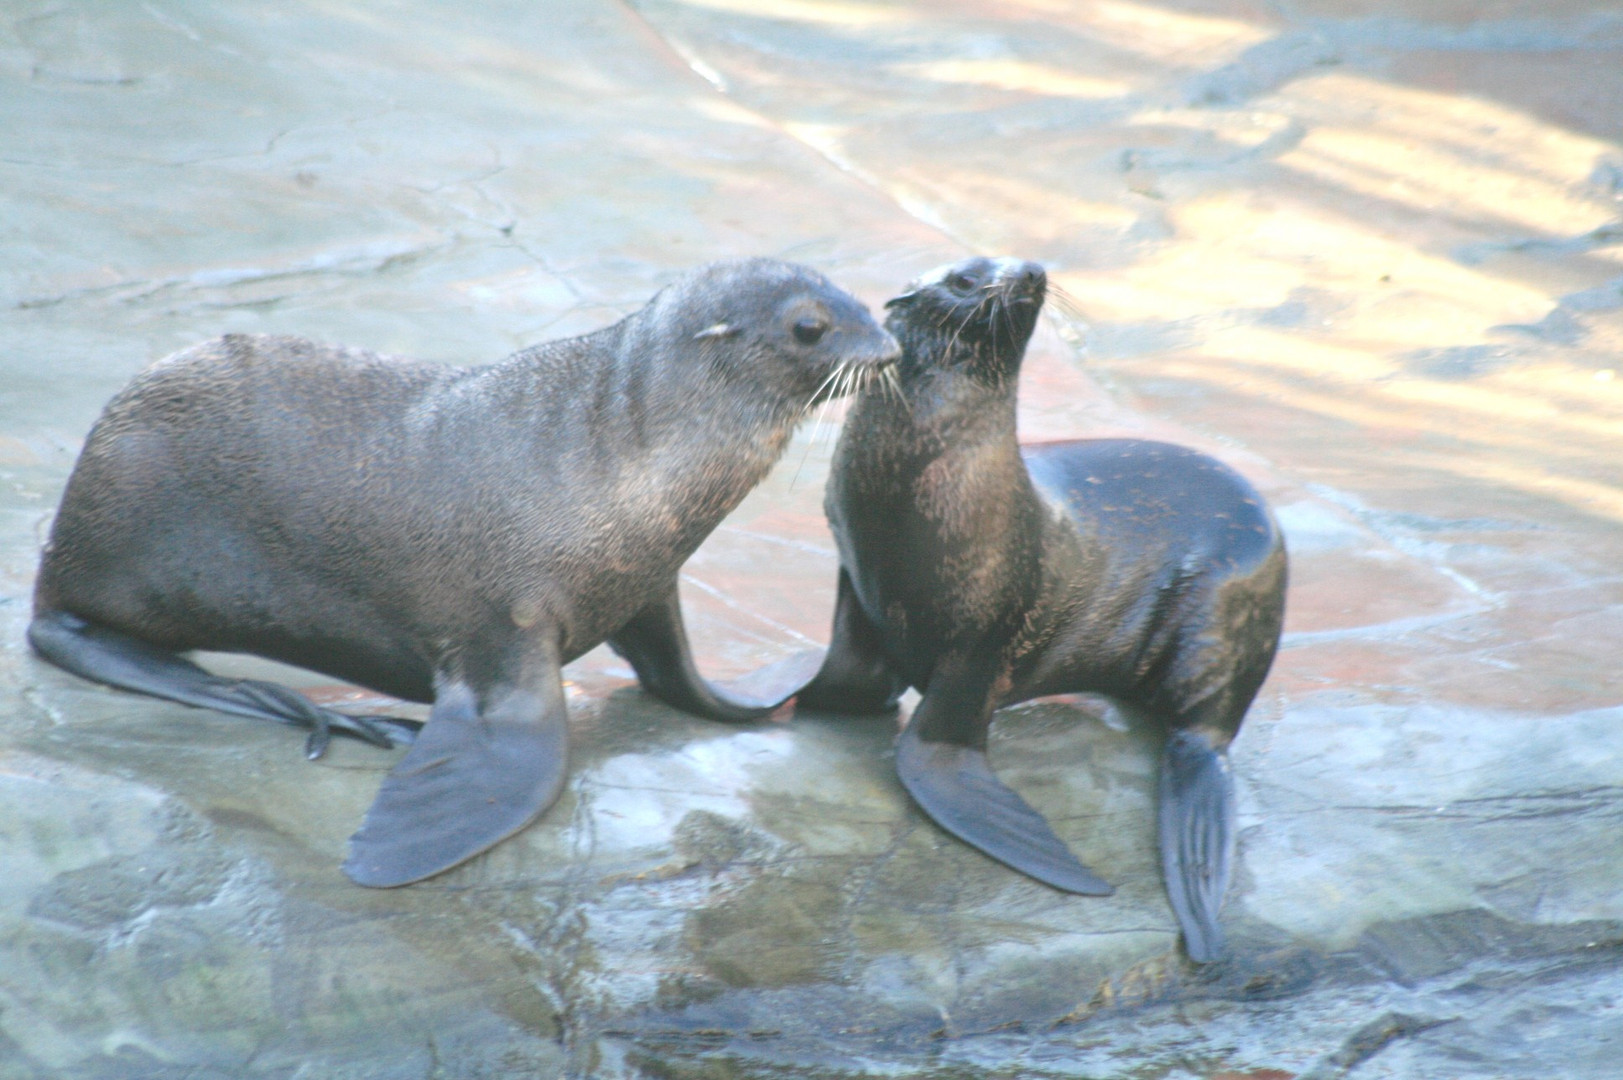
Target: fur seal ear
point(720, 330)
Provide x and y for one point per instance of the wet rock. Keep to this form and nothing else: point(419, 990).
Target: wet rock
point(1364, 251)
point(185, 871)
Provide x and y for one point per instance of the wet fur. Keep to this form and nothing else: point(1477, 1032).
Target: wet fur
point(440, 534)
point(983, 574)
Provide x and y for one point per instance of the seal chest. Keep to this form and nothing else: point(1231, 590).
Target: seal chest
point(450, 535)
point(984, 573)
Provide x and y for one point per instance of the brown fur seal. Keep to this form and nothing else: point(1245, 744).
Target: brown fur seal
point(439, 534)
point(984, 574)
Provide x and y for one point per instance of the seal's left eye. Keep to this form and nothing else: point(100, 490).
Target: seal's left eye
point(810, 331)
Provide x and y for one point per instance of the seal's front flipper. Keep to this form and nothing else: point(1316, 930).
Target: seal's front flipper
point(484, 767)
point(656, 644)
point(772, 684)
point(955, 785)
point(855, 677)
point(116, 659)
point(1197, 838)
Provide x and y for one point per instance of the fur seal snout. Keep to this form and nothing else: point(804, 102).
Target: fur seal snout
point(984, 574)
point(441, 534)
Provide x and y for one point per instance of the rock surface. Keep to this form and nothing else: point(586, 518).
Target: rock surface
point(1368, 251)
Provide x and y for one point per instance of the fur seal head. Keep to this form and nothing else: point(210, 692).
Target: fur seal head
point(976, 315)
point(783, 329)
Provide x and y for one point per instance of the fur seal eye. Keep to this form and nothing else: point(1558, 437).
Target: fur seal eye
point(961, 283)
point(810, 331)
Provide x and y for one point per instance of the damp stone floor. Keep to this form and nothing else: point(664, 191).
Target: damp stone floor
point(1369, 252)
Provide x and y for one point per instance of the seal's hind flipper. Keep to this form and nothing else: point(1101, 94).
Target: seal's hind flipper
point(1197, 838)
point(116, 659)
point(479, 772)
point(956, 787)
point(656, 644)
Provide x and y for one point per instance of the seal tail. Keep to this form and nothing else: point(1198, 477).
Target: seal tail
point(1197, 838)
point(956, 787)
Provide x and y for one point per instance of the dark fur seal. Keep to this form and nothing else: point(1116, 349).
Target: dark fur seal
point(439, 534)
point(983, 574)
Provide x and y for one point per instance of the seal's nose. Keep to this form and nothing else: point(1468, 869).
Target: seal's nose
point(1025, 278)
point(885, 348)
point(1030, 278)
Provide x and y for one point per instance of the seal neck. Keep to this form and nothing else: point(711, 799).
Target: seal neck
point(940, 427)
point(947, 409)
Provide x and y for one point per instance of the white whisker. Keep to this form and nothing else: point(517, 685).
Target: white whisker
point(893, 381)
point(832, 375)
point(819, 423)
point(962, 327)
